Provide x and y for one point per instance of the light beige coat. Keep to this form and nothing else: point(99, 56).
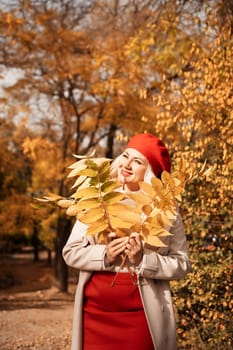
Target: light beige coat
point(157, 268)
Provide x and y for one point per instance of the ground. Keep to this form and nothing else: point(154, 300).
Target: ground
point(33, 313)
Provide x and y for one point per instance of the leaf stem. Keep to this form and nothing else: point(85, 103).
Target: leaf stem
point(106, 215)
point(124, 263)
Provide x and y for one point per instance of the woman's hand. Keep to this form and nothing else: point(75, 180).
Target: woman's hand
point(134, 249)
point(114, 248)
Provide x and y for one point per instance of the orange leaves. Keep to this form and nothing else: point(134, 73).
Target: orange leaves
point(99, 202)
point(42, 154)
point(71, 36)
point(161, 210)
point(203, 301)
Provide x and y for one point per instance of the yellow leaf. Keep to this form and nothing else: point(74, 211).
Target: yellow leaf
point(154, 227)
point(102, 238)
point(178, 197)
point(65, 203)
point(42, 199)
point(144, 230)
point(84, 184)
point(154, 241)
point(164, 233)
point(88, 172)
point(72, 210)
point(201, 171)
point(52, 197)
point(157, 184)
point(155, 212)
point(119, 207)
point(73, 165)
point(118, 223)
point(113, 197)
point(177, 190)
point(178, 177)
point(88, 204)
point(124, 215)
point(163, 219)
point(140, 198)
point(77, 167)
point(182, 164)
point(122, 232)
point(171, 214)
point(147, 209)
point(104, 168)
point(91, 215)
point(165, 177)
point(97, 227)
point(88, 192)
point(136, 228)
point(147, 188)
point(109, 186)
point(99, 160)
point(79, 181)
point(209, 171)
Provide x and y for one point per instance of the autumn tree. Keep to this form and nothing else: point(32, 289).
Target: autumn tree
point(51, 76)
point(76, 83)
point(107, 69)
point(16, 214)
point(194, 91)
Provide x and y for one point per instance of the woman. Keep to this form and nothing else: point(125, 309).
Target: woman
point(127, 316)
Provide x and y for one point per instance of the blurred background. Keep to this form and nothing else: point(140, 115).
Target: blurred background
point(77, 75)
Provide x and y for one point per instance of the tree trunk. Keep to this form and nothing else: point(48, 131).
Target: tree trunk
point(49, 257)
point(110, 141)
point(35, 242)
point(61, 269)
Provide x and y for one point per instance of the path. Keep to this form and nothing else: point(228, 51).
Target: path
point(33, 313)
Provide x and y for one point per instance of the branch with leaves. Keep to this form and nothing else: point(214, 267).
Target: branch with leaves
point(101, 204)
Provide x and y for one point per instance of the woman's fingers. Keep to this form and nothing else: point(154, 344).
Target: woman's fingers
point(134, 249)
point(136, 237)
point(132, 246)
point(115, 248)
point(134, 242)
point(111, 236)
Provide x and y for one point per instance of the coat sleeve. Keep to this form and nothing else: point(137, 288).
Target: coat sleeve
point(168, 263)
point(82, 253)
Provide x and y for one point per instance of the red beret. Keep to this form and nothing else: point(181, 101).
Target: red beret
point(154, 150)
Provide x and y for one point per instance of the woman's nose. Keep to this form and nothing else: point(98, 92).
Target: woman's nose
point(127, 163)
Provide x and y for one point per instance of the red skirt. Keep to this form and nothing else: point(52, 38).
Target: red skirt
point(114, 318)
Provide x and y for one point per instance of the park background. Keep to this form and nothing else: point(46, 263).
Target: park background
point(77, 75)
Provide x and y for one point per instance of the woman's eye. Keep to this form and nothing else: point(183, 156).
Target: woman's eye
point(138, 161)
point(125, 155)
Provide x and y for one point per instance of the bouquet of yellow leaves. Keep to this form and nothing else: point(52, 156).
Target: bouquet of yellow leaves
point(99, 201)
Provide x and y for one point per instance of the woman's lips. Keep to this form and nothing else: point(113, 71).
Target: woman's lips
point(125, 173)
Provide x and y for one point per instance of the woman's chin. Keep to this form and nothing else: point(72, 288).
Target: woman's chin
point(122, 179)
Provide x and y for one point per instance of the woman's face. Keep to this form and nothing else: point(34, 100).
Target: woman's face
point(132, 166)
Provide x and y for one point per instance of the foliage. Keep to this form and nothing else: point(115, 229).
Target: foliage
point(100, 202)
point(47, 233)
point(16, 219)
point(42, 153)
point(203, 301)
point(159, 66)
